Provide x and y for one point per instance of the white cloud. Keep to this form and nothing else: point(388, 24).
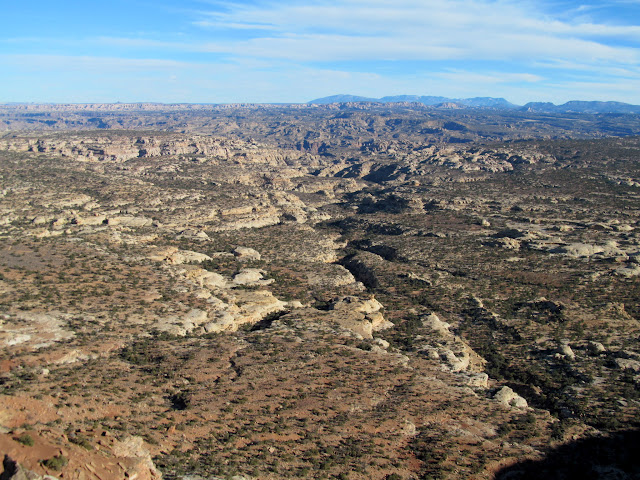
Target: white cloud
point(354, 30)
point(426, 30)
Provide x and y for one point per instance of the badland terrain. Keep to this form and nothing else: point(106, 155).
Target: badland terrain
point(344, 290)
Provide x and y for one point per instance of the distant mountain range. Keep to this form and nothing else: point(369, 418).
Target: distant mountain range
point(574, 106)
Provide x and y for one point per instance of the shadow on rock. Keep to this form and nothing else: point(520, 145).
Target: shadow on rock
point(611, 457)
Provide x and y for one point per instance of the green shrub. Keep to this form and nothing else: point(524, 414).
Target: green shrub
point(81, 440)
point(25, 439)
point(55, 463)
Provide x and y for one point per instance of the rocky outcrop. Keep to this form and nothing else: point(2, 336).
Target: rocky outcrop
point(477, 380)
point(509, 398)
point(332, 275)
point(596, 348)
point(565, 351)
point(204, 278)
point(245, 254)
point(89, 220)
point(241, 308)
point(186, 147)
point(182, 324)
point(628, 364)
point(251, 277)
point(14, 471)
point(454, 353)
point(456, 362)
point(123, 457)
point(230, 302)
point(360, 315)
point(115, 148)
point(129, 221)
point(175, 256)
point(628, 271)
point(136, 459)
point(587, 250)
point(34, 330)
point(433, 322)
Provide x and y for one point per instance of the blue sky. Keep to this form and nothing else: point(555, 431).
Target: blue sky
point(212, 51)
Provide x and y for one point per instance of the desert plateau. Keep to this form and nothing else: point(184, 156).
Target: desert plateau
point(341, 290)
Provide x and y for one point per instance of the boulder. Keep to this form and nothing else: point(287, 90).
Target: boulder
point(251, 276)
point(42, 219)
point(136, 459)
point(361, 316)
point(566, 351)
point(596, 348)
point(430, 352)
point(627, 364)
point(14, 471)
point(246, 254)
point(456, 363)
point(206, 279)
point(577, 250)
point(628, 271)
point(478, 380)
point(433, 321)
point(509, 398)
point(381, 343)
point(187, 256)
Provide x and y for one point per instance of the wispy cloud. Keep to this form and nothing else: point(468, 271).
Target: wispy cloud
point(426, 30)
